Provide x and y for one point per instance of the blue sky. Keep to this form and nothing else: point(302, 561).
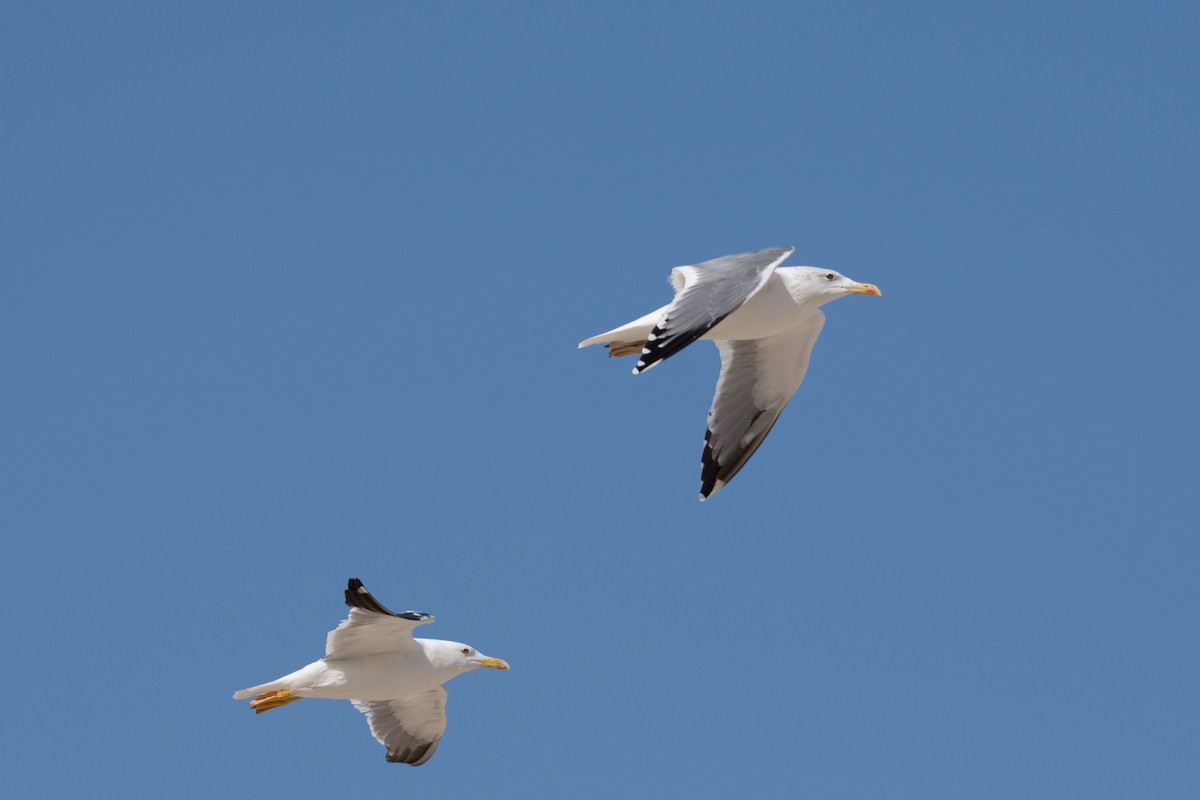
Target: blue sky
point(291, 294)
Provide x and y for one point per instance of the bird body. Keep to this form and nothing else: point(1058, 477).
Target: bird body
point(780, 305)
point(383, 676)
point(764, 321)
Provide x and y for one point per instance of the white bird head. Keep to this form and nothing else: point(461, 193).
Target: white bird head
point(456, 657)
point(826, 284)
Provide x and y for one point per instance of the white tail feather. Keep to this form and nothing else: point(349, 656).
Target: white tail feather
point(635, 331)
point(255, 691)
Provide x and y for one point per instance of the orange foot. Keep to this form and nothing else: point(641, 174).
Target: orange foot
point(265, 702)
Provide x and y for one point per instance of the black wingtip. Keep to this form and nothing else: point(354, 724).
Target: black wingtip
point(357, 596)
point(414, 756)
point(709, 469)
point(662, 344)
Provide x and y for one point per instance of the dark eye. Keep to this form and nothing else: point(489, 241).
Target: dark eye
point(829, 276)
point(466, 651)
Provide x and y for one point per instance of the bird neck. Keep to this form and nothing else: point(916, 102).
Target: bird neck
point(443, 657)
point(801, 289)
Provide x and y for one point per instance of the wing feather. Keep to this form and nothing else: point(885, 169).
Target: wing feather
point(706, 294)
point(758, 379)
point(411, 728)
point(371, 628)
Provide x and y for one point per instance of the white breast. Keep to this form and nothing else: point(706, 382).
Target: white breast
point(772, 310)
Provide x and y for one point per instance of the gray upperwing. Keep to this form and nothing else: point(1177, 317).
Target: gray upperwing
point(713, 290)
point(410, 728)
point(758, 379)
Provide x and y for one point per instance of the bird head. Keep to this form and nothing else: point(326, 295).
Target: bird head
point(826, 284)
point(461, 657)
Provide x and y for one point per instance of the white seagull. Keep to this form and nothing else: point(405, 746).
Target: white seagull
point(372, 660)
point(764, 322)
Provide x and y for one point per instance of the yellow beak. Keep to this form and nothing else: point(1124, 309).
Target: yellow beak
point(865, 288)
point(493, 663)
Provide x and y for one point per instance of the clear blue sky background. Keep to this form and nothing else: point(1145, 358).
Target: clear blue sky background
point(291, 293)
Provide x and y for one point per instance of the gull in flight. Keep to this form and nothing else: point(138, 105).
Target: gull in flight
point(764, 321)
point(372, 660)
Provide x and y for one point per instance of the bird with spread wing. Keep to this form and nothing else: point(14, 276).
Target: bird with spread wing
point(764, 320)
point(372, 660)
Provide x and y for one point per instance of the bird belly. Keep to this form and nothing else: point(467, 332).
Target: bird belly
point(381, 677)
point(385, 676)
point(772, 310)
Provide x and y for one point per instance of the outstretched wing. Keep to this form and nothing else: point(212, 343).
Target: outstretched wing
point(371, 628)
point(758, 378)
point(706, 293)
point(411, 728)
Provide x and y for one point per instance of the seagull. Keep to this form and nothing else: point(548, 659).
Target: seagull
point(764, 321)
point(372, 660)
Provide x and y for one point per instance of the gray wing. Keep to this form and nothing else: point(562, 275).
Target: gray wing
point(371, 628)
point(758, 378)
point(411, 728)
point(706, 293)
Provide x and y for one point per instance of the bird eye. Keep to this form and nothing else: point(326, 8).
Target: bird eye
point(829, 276)
point(466, 651)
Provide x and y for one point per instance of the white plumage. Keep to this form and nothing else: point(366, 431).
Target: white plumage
point(372, 659)
point(764, 320)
